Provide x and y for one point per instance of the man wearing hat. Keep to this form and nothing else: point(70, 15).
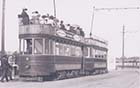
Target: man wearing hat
point(5, 68)
point(25, 17)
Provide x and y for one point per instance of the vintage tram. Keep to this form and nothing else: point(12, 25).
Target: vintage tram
point(48, 52)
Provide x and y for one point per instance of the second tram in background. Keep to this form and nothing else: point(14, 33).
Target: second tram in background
point(49, 52)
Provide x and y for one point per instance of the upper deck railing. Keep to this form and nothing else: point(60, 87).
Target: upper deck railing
point(36, 29)
point(97, 42)
point(48, 29)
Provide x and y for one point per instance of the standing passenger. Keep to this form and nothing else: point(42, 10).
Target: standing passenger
point(25, 17)
point(5, 68)
point(35, 17)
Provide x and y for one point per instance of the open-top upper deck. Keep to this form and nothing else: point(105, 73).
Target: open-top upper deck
point(46, 29)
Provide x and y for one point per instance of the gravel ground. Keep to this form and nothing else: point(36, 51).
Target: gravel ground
point(113, 79)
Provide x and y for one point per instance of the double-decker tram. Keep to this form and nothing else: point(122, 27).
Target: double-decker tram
point(49, 52)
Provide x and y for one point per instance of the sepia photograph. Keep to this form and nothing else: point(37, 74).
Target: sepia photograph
point(69, 44)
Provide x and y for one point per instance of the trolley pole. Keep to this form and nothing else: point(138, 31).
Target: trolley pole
point(92, 23)
point(3, 29)
point(123, 35)
point(54, 8)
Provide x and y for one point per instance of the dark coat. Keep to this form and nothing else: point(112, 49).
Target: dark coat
point(4, 63)
point(25, 18)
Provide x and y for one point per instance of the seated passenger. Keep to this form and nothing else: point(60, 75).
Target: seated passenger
point(68, 27)
point(51, 21)
point(82, 32)
point(43, 19)
point(56, 21)
point(25, 17)
point(72, 29)
point(78, 30)
point(62, 26)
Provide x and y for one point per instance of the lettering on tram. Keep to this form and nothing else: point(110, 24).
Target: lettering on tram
point(51, 49)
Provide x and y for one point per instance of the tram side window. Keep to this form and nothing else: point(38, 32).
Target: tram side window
point(47, 46)
point(85, 51)
point(29, 46)
point(57, 48)
point(91, 52)
point(78, 51)
point(73, 51)
point(38, 49)
point(67, 50)
point(61, 49)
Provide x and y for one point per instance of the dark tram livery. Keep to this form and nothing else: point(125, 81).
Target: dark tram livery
point(50, 52)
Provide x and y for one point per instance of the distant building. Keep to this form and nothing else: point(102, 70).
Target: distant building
point(130, 62)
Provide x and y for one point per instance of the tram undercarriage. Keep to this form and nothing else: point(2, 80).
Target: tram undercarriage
point(44, 68)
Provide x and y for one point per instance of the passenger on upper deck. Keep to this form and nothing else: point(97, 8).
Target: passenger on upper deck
point(35, 17)
point(51, 21)
point(77, 30)
point(68, 27)
point(25, 17)
point(43, 19)
point(56, 21)
point(62, 26)
point(72, 29)
point(82, 32)
point(20, 19)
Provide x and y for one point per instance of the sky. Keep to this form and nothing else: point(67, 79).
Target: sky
point(107, 24)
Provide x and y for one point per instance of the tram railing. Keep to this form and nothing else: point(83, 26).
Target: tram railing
point(96, 42)
point(36, 29)
point(48, 29)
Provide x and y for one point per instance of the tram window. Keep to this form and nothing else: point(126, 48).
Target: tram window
point(85, 51)
point(73, 51)
point(61, 49)
point(26, 46)
point(29, 46)
point(66, 50)
point(47, 46)
point(21, 46)
point(102, 56)
point(91, 52)
point(78, 51)
point(38, 46)
point(95, 56)
point(51, 47)
point(57, 48)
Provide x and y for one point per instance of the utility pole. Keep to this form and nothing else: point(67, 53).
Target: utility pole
point(123, 36)
point(54, 7)
point(92, 23)
point(3, 29)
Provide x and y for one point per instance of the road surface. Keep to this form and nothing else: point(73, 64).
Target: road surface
point(114, 79)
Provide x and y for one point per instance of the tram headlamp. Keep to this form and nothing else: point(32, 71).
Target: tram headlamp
point(27, 58)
